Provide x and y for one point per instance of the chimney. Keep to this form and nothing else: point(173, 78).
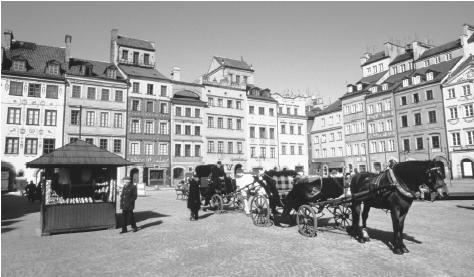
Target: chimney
point(176, 73)
point(391, 50)
point(7, 39)
point(113, 46)
point(418, 49)
point(365, 57)
point(67, 40)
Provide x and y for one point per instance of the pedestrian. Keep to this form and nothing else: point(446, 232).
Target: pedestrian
point(194, 198)
point(127, 204)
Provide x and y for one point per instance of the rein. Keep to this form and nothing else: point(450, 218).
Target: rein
point(401, 188)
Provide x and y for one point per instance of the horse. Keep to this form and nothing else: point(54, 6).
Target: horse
point(393, 190)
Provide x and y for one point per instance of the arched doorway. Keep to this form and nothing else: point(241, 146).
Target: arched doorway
point(467, 168)
point(134, 174)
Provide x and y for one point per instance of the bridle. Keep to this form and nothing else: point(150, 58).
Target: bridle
point(433, 174)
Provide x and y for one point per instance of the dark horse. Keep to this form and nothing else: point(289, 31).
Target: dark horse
point(219, 182)
point(394, 191)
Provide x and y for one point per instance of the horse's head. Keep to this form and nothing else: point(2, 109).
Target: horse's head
point(435, 179)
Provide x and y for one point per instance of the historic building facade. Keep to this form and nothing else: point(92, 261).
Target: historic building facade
point(96, 106)
point(225, 134)
point(148, 104)
point(262, 129)
point(33, 89)
point(419, 111)
point(187, 127)
point(327, 141)
point(458, 93)
point(292, 137)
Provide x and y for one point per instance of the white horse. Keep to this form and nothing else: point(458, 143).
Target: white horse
point(246, 182)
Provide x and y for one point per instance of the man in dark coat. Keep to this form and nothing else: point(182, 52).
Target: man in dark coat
point(194, 198)
point(127, 204)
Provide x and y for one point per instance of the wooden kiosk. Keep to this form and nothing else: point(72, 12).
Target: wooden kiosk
point(78, 188)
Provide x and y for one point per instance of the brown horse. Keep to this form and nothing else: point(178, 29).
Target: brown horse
point(393, 190)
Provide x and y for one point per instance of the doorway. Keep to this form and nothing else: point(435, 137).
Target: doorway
point(134, 174)
point(467, 168)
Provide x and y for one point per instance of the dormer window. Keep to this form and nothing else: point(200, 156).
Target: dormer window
point(350, 89)
point(373, 89)
point(429, 76)
point(125, 55)
point(438, 59)
point(53, 69)
point(427, 63)
point(403, 68)
point(449, 56)
point(146, 59)
point(395, 70)
point(380, 67)
point(384, 86)
point(405, 83)
point(19, 65)
point(416, 79)
point(359, 87)
point(86, 69)
point(111, 73)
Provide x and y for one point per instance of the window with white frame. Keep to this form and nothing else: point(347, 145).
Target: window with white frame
point(210, 102)
point(103, 144)
point(149, 149)
point(405, 83)
point(370, 109)
point(468, 110)
point(453, 112)
point(50, 117)
point(134, 148)
point(466, 90)
point(378, 107)
point(371, 128)
point(163, 149)
point(426, 63)
point(362, 149)
point(381, 126)
point(323, 138)
point(470, 137)
point(339, 136)
point(164, 128)
point(456, 138)
point(389, 125)
point(451, 93)
point(14, 115)
point(90, 118)
point(384, 87)
point(117, 146)
point(118, 96)
point(373, 147)
point(149, 127)
point(32, 116)
point(356, 149)
point(104, 119)
point(449, 56)
point(135, 126)
point(118, 120)
point(31, 146)
point(403, 68)
point(438, 59)
point(391, 145)
point(348, 150)
point(429, 76)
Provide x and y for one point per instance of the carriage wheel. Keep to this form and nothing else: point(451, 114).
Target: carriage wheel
point(307, 221)
point(259, 210)
point(216, 203)
point(343, 216)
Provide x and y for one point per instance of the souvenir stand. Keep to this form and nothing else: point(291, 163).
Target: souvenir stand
point(78, 188)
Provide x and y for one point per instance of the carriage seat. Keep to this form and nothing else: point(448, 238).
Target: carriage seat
point(284, 184)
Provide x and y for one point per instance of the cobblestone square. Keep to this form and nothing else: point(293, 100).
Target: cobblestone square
point(439, 236)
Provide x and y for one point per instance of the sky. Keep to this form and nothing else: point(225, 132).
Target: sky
point(299, 47)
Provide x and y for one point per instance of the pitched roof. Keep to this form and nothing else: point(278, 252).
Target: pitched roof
point(442, 48)
point(37, 57)
point(78, 153)
point(143, 72)
point(98, 69)
point(233, 63)
point(334, 107)
point(372, 78)
point(375, 57)
point(442, 70)
point(471, 39)
point(135, 43)
point(464, 64)
point(392, 82)
point(403, 57)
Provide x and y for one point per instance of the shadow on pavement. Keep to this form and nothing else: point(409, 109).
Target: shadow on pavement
point(387, 236)
point(465, 207)
point(139, 216)
point(154, 223)
point(205, 215)
point(15, 206)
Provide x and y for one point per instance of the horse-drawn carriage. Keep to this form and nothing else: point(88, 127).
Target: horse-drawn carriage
point(281, 192)
point(218, 191)
point(393, 189)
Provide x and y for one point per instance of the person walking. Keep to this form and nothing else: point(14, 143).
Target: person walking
point(127, 204)
point(194, 198)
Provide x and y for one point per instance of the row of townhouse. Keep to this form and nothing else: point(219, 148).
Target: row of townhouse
point(164, 125)
point(412, 102)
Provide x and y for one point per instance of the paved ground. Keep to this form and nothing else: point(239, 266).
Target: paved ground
point(439, 235)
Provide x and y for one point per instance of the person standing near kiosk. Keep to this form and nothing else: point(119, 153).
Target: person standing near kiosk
point(127, 204)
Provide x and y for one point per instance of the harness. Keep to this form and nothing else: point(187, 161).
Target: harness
point(400, 186)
